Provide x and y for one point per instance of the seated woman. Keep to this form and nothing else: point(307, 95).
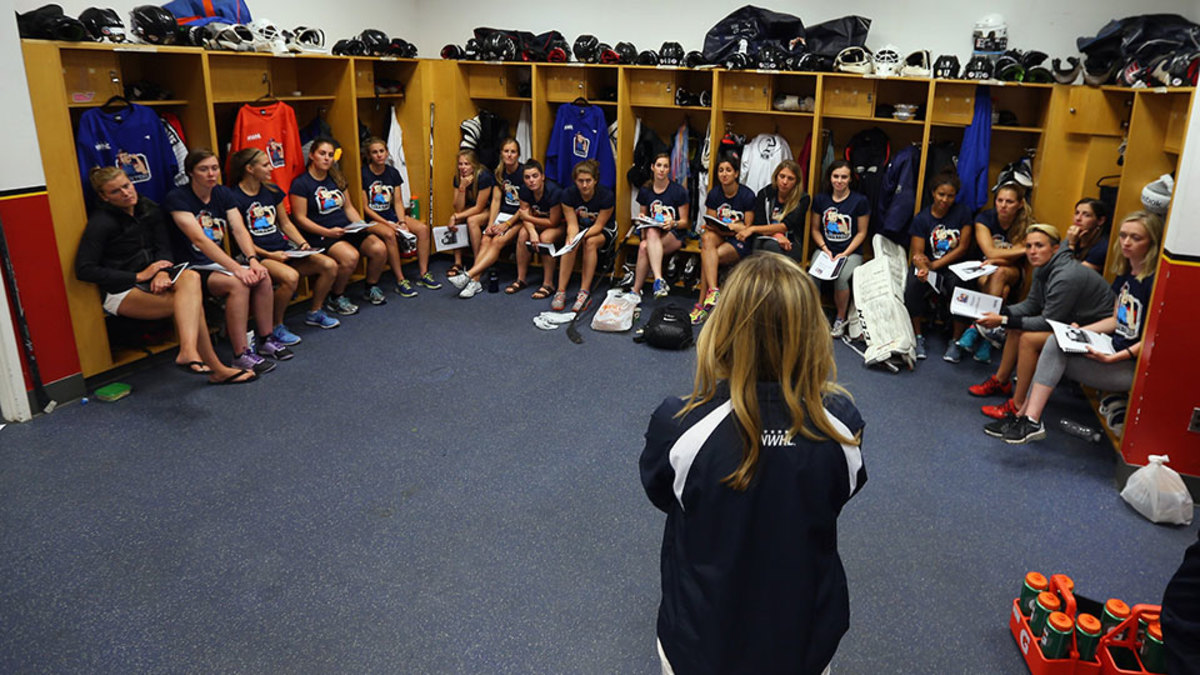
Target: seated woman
point(840, 217)
point(1087, 237)
point(1062, 290)
point(322, 211)
point(126, 252)
point(472, 203)
point(733, 204)
point(941, 236)
point(586, 205)
point(666, 203)
point(260, 203)
point(541, 223)
point(204, 213)
point(753, 470)
point(780, 207)
point(1000, 233)
point(1138, 242)
point(381, 192)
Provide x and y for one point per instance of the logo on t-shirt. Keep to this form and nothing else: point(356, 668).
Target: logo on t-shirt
point(728, 214)
point(582, 145)
point(999, 241)
point(134, 165)
point(837, 225)
point(328, 200)
point(777, 213)
point(1129, 314)
point(380, 196)
point(660, 211)
point(512, 194)
point(214, 228)
point(942, 240)
point(275, 152)
point(585, 217)
point(260, 219)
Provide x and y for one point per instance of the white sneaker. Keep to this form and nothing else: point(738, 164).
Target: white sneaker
point(635, 296)
point(839, 328)
point(460, 280)
point(472, 288)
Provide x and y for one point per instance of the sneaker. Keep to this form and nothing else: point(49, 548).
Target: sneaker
point(285, 336)
point(983, 352)
point(251, 361)
point(275, 349)
point(635, 296)
point(429, 282)
point(1024, 430)
point(921, 348)
point(375, 296)
point(404, 289)
point(710, 300)
point(991, 387)
point(661, 289)
point(460, 280)
point(581, 301)
point(953, 353)
point(999, 412)
point(996, 429)
point(994, 336)
point(559, 303)
point(969, 339)
point(340, 305)
point(321, 320)
point(839, 328)
point(698, 314)
point(472, 289)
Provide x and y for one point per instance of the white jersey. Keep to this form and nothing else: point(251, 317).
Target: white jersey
point(760, 157)
point(395, 145)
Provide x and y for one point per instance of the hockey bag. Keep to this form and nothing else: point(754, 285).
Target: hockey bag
point(668, 328)
point(829, 38)
point(202, 12)
point(616, 313)
point(747, 29)
point(883, 320)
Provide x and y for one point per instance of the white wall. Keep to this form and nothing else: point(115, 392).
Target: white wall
point(18, 111)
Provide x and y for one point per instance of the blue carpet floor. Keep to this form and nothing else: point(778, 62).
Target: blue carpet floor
point(439, 487)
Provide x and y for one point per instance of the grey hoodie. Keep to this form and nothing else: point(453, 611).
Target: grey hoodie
point(1062, 290)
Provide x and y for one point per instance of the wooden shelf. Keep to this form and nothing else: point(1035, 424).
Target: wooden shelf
point(390, 97)
point(97, 104)
point(883, 120)
point(522, 99)
point(239, 101)
point(666, 106)
point(785, 113)
point(995, 127)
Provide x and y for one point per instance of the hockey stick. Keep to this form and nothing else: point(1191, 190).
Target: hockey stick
point(39, 389)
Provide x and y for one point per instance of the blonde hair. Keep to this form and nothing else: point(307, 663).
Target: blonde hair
point(499, 173)
point(476, 169)
point(1022, 219)
point(1154, 230)
point(768, 327)
point(100, 175)
point(1050, 231)
point(793, 199)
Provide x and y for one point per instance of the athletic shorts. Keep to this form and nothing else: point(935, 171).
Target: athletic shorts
point(743, 247)
point(355, 239)
point(112, 301)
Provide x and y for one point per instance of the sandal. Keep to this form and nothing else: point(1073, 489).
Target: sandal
point(543, 292)
point(518, 285)
point(194, 368)
point(454, 271)
point(559, 303)
point(240, 377)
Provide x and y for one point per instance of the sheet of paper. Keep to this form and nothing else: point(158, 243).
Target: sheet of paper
point(412, 238)
point(965, 302)
point(212, 267)
point(445, 240)
point(971, 269)
point(1077, 340)
point(932, 280)
point(297, 253)
point(355, 227)
point(558, 252)
point(176, 271)
point(826, 268)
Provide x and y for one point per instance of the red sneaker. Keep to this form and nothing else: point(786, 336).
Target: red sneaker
point(999, 412)
point(991, 387)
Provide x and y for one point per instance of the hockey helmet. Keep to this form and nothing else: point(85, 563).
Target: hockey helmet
point(401, 48)
point(647, 58)
point(1133, 72)
point(349, 47)
point(814, 63)
point(104, 25)
point(916, 64)
point(1156, 196)
point(558, 54)
point(693, 59)
point(267, 37)
point(308, 39)
point(991, 34)
point(853, 60)
point(1039, 74)
point(375, 42)
point(887, 61)
point(1066, 75)
point(498, 47)
point(771, 57)
point(627, 52)
point(153, 25)
point(586, 49)
point(471, 50)
point(608, 55)
point(452, 51)
point(1183, 69)
point(946, 67)
point(978, 68)
point(670, 54)
point(1007, 67)
point(737, 61)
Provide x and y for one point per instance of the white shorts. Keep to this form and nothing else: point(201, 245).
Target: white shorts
point(112, 301)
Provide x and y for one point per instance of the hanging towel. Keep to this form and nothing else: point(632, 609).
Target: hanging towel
point(395, 145)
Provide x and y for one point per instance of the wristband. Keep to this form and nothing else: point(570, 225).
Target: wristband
point(1132, 356)
point(253, 257)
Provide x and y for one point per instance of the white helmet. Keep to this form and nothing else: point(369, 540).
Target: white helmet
point(887, 61)
point(916, 64)
point(229, 37)
point(1156, 196)
point(305, 39)
point(991, 34)
point(853, 60)
point(267, 37)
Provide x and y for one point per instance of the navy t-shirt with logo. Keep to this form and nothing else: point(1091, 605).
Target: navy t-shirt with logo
point(943, 234)
point(733, 208)
point(551, 197)
point(839, 220)
point(484, 182)
point(326, 203)
point(991, 221)
point(666, 203)
point(511, 184)
point(260, 212)
point(382, 191)
point(1133, 301)
point(586, 212)
point(211, 216)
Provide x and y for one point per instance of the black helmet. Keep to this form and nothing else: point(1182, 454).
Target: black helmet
point(737, 61)
point(49, 23)
point(501, 47)
point(978, 68)
point(647, 58)
point(693, 59)
point(585, 49)
point(814, 63)
point(670, 54)
point(772, 57)
point(1008, 67)
point(471, 50)
point(1182, 69)
point(376, 42)
point(153, 25)
point(401, 48)
point(1067, 74)
point(627, 52)
point(946, 67)
point(350, 47)
point(452, 51)
point(609, 55)
point(103, 24)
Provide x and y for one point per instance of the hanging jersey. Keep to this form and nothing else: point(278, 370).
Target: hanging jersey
point(174, 131)
point(541, 207)
point(260, 213)
point(734, 208)
point(395, 145)
point(666, 203)
point(839, 220)
point(941, 235)
point(586, 212)
point(580, 133)
point(760, 157)
point(326, 202)
point(272, 129)
point(382, 191)
point(1133, 299)
point(132, 139)
point(511, 184)
point(212, 217)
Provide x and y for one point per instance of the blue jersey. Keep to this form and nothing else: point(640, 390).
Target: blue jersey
point(586, 212)
point(551, 197)
point(326, 203)
point(382, 191)
point(580, 133)
point(666, 203)
point(839, 220)
point(132, 139)
point(212, 216)
point(259, 211)
point(941, 235)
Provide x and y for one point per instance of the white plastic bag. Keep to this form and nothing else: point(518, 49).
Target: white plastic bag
point(616, 314)
point(1158, 493)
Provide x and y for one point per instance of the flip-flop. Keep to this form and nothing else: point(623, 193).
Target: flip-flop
point(518, 285)
point(542, 292)
point(194, 368)
point(234, 379)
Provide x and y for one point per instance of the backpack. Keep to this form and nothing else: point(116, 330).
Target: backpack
point(668, 328)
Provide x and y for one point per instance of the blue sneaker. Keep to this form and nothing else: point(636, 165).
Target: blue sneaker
point(429, 282)
point(953, 353)
point(404, 288)
point(374, 295)
point(969, 339)
point(285, 336)
point(983, 353)
point(321, 320)
point(661, 289)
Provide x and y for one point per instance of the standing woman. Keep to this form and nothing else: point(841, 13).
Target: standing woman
point(381, 191)
point(753, 469)
point(322, 211)
point(204, 212)
point(1087, 237)
point(260, 203)
point(941, 236)
point(541, 223)
point(472, 204)
point(125, 250)
point(586, 205)
point(666, 203)
point(839, 228)
point(733, 204)
point(781, 205)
